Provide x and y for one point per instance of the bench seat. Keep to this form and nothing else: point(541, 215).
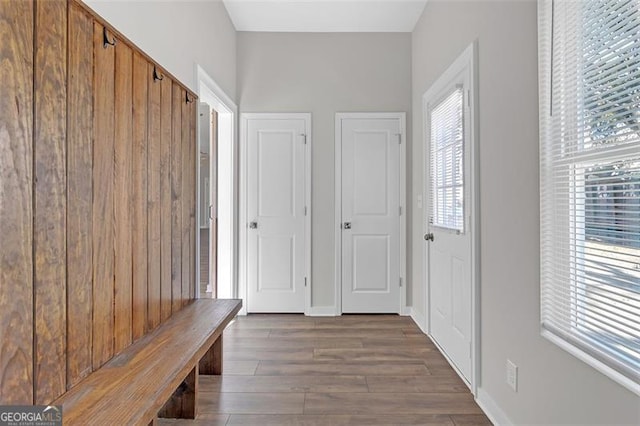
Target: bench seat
point(132, 387)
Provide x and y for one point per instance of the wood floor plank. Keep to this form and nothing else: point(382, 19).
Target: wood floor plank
point(242, 368)
point(253, 403)
point(248, 332)
point(334, 332)
point(416, 384)
point(375, 354)
point(205, 419)
point(293, 321)
point(402, 342)
point(384, 403)
point(359, 321)
point(270, 354)
point(412, 331)
point(246, 343)
point(470, 419)
point(283, 384)
point(339, 420)
point(340, 368)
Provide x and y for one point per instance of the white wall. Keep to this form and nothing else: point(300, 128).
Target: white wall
point(554, 387)
point(324, 73)
point(178, 34)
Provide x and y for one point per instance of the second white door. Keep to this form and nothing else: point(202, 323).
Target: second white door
point(370, 227)
point(276, 173)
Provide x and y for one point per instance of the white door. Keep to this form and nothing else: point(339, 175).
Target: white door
point(371, 214)
point(276, 214)
point(448, 228)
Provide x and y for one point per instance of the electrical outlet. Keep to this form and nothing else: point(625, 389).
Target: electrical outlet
point(512, 375)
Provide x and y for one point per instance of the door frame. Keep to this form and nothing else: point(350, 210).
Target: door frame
point(467, 63)
point(212, 94)
point(402, 116)
point(244, 201)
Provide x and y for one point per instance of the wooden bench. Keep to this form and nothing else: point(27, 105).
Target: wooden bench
point(157, 376)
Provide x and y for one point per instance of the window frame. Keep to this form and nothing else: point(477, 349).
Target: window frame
point(444, 95)
point(566, 342)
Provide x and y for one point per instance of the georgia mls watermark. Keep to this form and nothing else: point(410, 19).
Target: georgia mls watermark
point(30, 415)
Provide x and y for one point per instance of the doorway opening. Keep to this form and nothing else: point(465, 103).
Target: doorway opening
point(217, 191)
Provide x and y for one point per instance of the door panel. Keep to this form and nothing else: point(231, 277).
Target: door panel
point(370, 204)
point(276, 205)
point(449, 259)
point(276, 173)
point(371, 263)
point(276, 263)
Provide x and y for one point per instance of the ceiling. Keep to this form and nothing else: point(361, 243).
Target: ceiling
point(325, 15)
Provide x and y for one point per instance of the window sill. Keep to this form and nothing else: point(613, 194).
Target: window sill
point(614, 375)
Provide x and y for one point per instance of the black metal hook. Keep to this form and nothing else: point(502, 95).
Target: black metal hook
point(105, 39)
point(156, 76)
point(189, 100)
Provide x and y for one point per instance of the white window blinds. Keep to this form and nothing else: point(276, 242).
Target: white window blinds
point(447, 179)
point(590, 181)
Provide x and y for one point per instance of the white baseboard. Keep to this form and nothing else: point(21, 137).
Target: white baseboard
point(491, 409)
point(419, 319)
point(322, 311)
point(406, 311)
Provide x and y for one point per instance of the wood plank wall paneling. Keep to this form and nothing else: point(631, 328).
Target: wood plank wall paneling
point(97, 197)
point(103, 223)
point(176, 199)
point(16, 209)
point(122, 186)
point(165, 196)
point(79, 195)
point(139, 207)
point(50, 82)
point(186, 191)
point(153, 202)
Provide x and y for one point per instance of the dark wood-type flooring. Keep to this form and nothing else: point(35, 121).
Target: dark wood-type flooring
point(349, 370)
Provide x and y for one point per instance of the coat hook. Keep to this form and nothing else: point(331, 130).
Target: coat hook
point(105, 39)
point(156, 76)
point(189, 100)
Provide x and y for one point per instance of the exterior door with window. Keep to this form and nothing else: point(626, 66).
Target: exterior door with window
point(449, 262)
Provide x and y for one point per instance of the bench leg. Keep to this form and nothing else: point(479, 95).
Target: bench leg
point(182, 404)
point(211, 362)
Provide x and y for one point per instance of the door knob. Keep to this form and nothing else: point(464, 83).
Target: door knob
point(346, 225)
point(429, 236)
point(253, 225)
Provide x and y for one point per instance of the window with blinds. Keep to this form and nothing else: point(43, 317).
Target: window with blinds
point(590, 182)
point(447, 178)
